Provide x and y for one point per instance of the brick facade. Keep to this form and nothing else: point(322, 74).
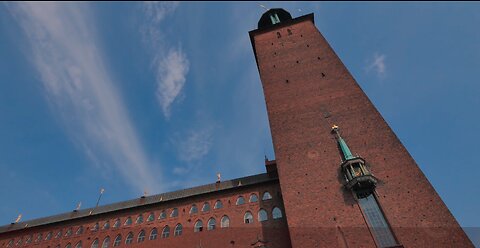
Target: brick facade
point(307, 90)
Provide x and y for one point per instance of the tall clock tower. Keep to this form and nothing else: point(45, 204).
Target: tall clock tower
point(345, 177)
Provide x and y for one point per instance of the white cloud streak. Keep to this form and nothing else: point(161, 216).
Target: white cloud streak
point(66, 54)
point(192, 147)
point(378, 65)
point(170, 68)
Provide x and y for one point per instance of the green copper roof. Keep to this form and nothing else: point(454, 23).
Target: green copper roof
point(347, 154)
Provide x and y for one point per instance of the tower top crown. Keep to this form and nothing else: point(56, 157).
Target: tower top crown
point(272, 17)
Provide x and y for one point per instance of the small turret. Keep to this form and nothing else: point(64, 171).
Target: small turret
point(356, 174)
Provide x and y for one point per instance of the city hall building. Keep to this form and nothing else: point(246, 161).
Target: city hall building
point(341, 177)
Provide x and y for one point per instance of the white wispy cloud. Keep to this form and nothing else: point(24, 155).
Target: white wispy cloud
point(196, 144)
point(170, 68)
point(65, 52)
point(378, 65)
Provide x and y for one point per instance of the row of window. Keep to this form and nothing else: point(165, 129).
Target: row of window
point(198, 227)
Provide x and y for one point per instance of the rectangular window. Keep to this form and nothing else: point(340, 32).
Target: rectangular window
point(376, 221)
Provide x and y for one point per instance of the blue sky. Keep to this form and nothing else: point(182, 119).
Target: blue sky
point(161, 96)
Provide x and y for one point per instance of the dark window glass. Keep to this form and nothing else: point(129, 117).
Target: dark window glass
point(376, 221)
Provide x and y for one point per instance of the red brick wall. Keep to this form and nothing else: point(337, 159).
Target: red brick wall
point(307, 90)
point(239, 234)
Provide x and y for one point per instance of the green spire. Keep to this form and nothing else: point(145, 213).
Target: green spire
point(347, 154)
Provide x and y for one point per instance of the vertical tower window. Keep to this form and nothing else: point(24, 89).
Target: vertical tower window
point(376, 220)
point(274, 18)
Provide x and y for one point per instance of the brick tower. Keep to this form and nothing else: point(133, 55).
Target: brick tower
point(351, 185)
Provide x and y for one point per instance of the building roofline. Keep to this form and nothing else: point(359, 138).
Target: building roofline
point(142, 201)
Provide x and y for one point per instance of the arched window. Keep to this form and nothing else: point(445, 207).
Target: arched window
point(39, 238)
point(248, 218)
point(128, 221)
point(266, 196)
point(29, 239)
point(129, 238)
point(218, 205)
point(106, 242)
point(151, 217)
point(68, 245)
point(178, 229)
point(118, 240)
point(193, 209)
point(253, 198)
point(59, 234)
point(174, 212)
point(141, 236)
point(224, 222)
point(79, 230)
point(95, 227)
point(198, 226)
point(262, 215)
point(240, 200)
point(79, 244)
point(10, 243)
point(211, 224)
point(68, 233)
point(153, 234)
point(95, 244)
point(117, 223)
point(162, 215)
point(19, 242)
point(106, 225)
point(49, 236)
point(277, 213)
point(166, 232)
point(206, 207)
point(139, 219)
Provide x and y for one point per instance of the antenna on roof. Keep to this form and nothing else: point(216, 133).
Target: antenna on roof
point(263, 6)
point(98, 201)
point(219, 177)
point(78, 207)
point(18, 219)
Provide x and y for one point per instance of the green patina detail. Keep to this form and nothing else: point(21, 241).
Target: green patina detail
point(274, 18)
point(345, 150)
